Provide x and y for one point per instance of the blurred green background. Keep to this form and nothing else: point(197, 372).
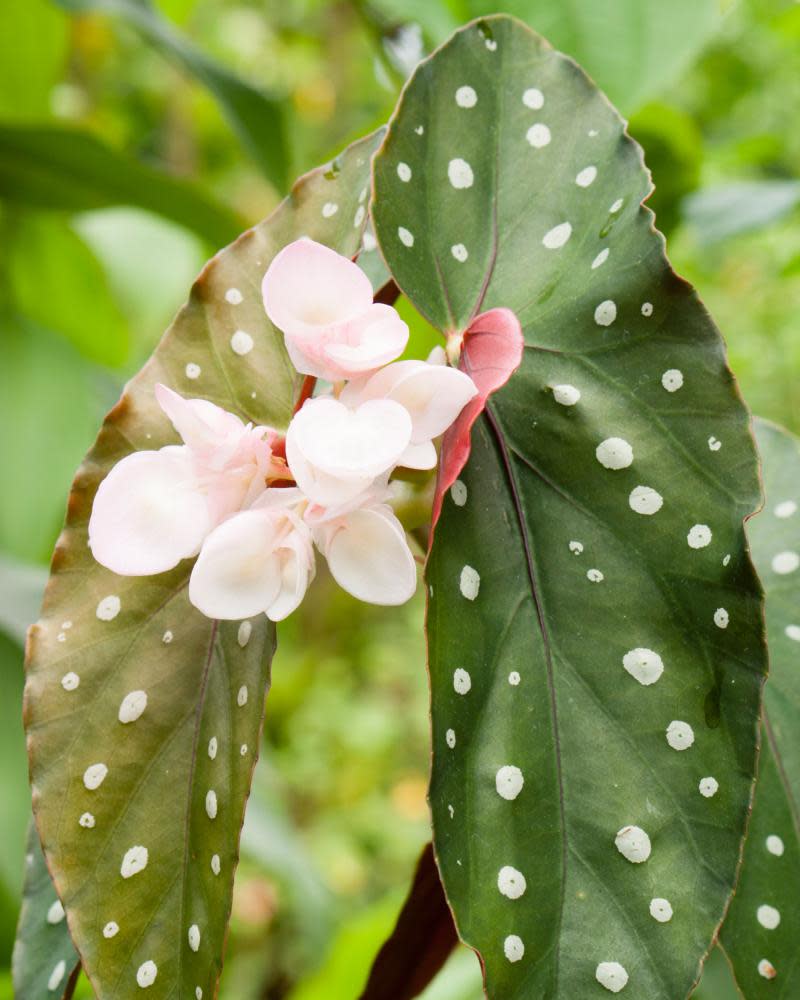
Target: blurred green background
point(138, 138)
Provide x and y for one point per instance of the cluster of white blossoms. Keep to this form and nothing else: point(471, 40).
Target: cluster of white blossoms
point(253, 517)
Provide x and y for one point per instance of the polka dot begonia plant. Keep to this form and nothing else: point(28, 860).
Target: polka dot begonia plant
point(595, 628)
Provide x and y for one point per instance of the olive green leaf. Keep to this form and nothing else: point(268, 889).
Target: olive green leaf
point(762, 929)
point(143, 717)
point(595, 632)
point(45, 962)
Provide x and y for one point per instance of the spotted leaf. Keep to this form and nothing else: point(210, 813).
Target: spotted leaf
point(45, 962)
point(594, 622)
point(143, 717)
point(761, 931)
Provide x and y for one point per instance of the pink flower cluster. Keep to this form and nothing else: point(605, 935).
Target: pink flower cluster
point(226, 494)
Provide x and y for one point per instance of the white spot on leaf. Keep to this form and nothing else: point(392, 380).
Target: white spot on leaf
point(601, 258)
point(94, 776)
point(566, 395)
point(672, 379)
point(768, 916)
point(329, 209)
point(108, 608)
point(406, 238)
point(645, 500)
point(680, 735)
point(708, 787)
point(513, 948)
point(450, 738)
point(647, 309)
point(514, 678)
point(132, 707)
point(614, 453)
point(87, 821)
point(469, 583)
point(466, 97)
point(576, 547)
point(56, 975)
point(459, 172)
point(241, 343)
point(462, 682)
point(458, 493)
point(511, 882)
point(211, 804)
point(767, 969)
point(612, 976)
point(233, 296)
point(556, 237)
point(215, 865)
point(194, 937)
point(404, 172)
point(661, 910)
point(70, 681)
point(134, 861)
point(775, 845)
point(146, 974)
point(244, 633)
point(605, 313)
point(242, 696)
point(643, 664)
point(459, 252)
point(110, 930)
point(56, 913)
point(721, 618)
point(192, 370)
point(633, 844)
point(538, 135)
point(594, 575)
point(212, 747)
point(509, 782)
point(699, 536)
point(533, 98)
point(784, 509)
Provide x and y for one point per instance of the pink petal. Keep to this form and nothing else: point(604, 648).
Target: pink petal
point(309, 288)
point(370, 558)
point(238, 571)
point(491, 353)
point(367, 342)
point(201, 424)
point(148, 513)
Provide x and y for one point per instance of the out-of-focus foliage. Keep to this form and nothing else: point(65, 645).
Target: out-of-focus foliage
point(338, 814)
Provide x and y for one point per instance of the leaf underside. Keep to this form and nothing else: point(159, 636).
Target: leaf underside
point(770, 875)
point(545, 571)
point(178, 775)
point(44, 955)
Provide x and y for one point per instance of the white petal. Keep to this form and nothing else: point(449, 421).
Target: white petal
point(370, 558)
point(148, 513)
point(419, 456)
point(238, 572)
point(433, 394)
point(297, 571)
point(308, 288)
point(334, 452)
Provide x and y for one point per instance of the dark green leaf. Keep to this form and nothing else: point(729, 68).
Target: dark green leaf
point(256, 117)
point(51, 166)
point(143, 717)
point(45, 959)
point(597, 525)
point(762, 929)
